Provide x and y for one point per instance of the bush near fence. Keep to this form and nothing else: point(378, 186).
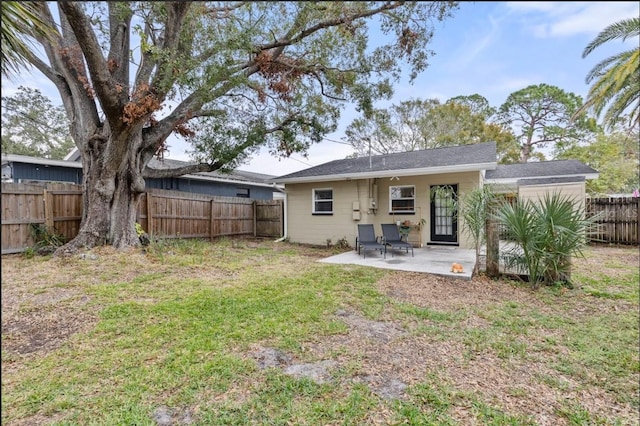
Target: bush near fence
point(162, 214)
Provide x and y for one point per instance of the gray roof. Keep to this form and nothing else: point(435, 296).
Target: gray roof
point(476, 157)
point(555, 168)
point(548, 181)
point(239, 175)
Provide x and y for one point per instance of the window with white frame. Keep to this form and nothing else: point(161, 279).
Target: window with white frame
point(402, 199)
point(323, 201)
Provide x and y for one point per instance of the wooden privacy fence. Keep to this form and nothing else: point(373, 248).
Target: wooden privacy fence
point(618, 220)
point(163, 214)
point(57, 205)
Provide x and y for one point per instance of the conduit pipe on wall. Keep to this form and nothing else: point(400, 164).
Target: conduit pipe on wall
point(286, 226)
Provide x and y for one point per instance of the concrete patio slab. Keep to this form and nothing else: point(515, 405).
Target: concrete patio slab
point(435, 260)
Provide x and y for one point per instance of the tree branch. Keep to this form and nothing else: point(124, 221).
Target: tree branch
point(179, 171)
point(172, 35)
point(330, 23)
point(120, 41)
point(81, 108)
point(103, 84)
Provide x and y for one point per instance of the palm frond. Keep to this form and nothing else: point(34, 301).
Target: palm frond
point(615, 79)
point(619, 30)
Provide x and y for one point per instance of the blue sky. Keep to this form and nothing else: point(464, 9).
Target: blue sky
point(489, 48)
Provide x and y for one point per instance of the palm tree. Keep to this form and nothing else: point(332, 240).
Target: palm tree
point(20, 20)
point(616, 80)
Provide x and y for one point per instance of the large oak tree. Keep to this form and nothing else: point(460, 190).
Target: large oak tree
point(228, 76)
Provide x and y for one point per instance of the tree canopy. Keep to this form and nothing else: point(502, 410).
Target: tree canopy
point(424, 124)
point(228, 76)
point(19, 17)
point(32, 125)
point(614, 156)
point(540, 116)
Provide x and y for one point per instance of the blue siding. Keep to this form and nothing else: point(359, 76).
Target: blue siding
point(69, 174)
point(47, 173)
point(205, 187)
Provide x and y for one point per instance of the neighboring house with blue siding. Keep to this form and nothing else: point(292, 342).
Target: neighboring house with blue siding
point(21, 168)
point(239, 183)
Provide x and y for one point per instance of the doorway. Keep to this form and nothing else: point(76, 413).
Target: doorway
point(444, 218)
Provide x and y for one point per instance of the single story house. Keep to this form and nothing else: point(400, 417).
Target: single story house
point(239, 183)
point(326, 202)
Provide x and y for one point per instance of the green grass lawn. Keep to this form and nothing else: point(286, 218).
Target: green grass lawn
point(129, 337)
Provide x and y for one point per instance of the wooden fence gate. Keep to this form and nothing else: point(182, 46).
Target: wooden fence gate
point(269, 218)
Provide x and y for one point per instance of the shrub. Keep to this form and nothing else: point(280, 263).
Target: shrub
point(546, 235)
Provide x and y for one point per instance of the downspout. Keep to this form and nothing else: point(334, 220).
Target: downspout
point(286, 226)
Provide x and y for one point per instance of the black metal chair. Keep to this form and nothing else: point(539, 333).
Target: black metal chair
point(367, 240)
point(391, 237)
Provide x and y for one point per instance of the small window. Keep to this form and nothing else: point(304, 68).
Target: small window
point(323, 201)
point(402, 199)
point(242, 192)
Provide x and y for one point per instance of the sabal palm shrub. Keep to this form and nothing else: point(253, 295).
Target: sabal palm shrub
point(546, 235)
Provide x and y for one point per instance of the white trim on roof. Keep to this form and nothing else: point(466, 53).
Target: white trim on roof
point(514, 180)
point(391, 173)
point(15, 158)
point(74, 155)
point(575, 182)
point(234, 181)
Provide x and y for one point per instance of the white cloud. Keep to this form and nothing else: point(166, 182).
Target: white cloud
point(318, 154)
point(563, 19)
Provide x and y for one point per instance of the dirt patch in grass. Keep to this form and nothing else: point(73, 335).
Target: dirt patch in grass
point(38, 316)
point(446, 294)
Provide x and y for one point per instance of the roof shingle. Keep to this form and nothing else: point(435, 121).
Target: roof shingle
point(540, 169)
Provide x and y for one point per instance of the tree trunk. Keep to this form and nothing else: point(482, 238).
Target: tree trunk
point(110, 201)
point(525, 153)
point(493, 246)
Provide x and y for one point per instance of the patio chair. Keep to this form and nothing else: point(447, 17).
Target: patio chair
point(367, 240)
point(391, 237)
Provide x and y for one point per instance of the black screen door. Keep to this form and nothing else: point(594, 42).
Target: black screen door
point(444, 223)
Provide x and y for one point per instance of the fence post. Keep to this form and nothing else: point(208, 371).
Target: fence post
point(48, 210)
point(255, 219)
point(149, 215)
point(211, 220)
